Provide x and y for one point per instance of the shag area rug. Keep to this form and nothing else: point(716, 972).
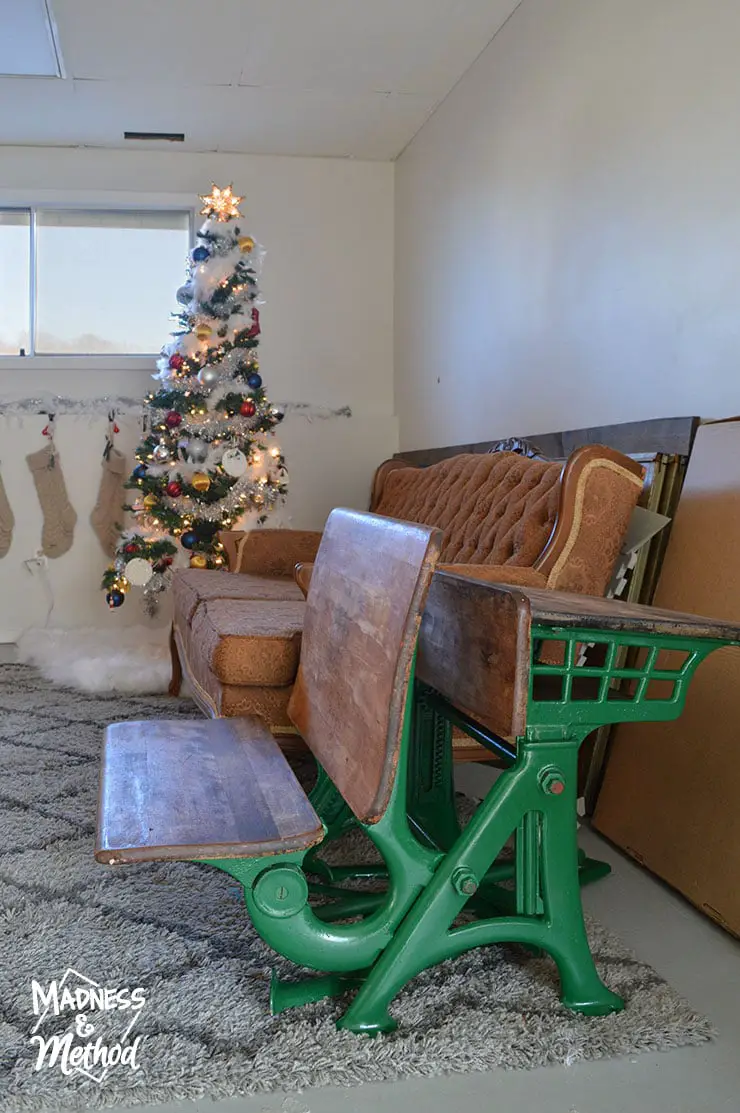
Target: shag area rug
point(179, 932)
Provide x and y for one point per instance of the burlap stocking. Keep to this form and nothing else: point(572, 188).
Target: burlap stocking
point(107, 515)
point(59, 515)
point(7, 521)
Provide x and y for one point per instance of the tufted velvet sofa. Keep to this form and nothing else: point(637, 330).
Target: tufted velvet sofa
point(512, 519)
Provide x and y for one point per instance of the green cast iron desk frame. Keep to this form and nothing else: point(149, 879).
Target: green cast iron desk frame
point(483, 665)
point(505, 663)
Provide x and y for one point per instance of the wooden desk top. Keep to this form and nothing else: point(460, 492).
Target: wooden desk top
point(556, 608)
point(475, 640)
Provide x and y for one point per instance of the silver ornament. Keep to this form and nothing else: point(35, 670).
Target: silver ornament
point(184, 295)
point(196, 450)
point(156, 583)
point(161, 452)
point(208, 376)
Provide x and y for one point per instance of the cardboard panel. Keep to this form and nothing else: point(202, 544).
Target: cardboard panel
point(671, 793)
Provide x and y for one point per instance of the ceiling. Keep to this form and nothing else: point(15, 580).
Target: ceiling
point(342, 78)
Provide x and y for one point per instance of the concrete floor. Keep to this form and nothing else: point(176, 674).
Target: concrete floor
point(698, 959)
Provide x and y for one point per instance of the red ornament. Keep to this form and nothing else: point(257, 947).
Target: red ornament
point(176, 361)
point(173, 489)
point(116, 429)
point(163, 564)
point(173, 419)
point(247, 409)
point(130, 548)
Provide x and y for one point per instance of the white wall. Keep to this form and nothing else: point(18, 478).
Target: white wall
point(568, 226)
point(327, 226)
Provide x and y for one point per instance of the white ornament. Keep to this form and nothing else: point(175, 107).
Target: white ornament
point(138, 571)
point(234, 462)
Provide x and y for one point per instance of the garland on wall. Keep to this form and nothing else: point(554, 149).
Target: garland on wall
point(101, 406)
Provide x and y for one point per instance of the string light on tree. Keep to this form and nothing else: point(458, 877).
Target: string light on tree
point(208, 423)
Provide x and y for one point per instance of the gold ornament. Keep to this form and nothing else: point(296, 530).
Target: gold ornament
point(199, 560)
point(246, 244)
point(203, 332)
point(201, 481)
point(221, 203)
point(150, 501)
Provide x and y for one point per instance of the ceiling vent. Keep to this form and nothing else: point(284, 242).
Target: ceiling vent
point(160, 136)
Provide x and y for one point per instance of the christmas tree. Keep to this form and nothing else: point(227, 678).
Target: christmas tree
point(208, 458)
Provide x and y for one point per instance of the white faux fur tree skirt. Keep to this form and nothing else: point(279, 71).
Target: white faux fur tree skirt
point(133, 659)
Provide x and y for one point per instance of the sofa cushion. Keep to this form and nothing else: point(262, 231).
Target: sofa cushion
point(193, 586)
point(498, 574)
point(493, 509)
point(248, 642)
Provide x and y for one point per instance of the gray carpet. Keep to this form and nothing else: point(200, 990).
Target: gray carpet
point(181, 932)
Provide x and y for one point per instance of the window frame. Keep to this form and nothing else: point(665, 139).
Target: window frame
point(87, 200)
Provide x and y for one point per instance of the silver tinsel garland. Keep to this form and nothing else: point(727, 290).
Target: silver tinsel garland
point(230, 503)
point(210, 427)
point(103, 405)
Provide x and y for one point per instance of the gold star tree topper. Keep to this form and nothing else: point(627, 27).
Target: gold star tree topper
point(221, 203)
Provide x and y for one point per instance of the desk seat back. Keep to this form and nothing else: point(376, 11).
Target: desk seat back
point(363, 612)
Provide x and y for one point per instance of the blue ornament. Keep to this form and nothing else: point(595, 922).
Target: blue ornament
point(139, 471)
point(115, 598)
point(200, 254)
point(254, 380)
point(189, 540)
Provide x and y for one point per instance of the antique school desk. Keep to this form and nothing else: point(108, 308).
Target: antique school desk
point(507, 665)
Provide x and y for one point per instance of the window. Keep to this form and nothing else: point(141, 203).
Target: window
point(89, 282)
point(15, 281)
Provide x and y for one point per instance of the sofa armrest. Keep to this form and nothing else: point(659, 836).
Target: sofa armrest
point(381, 474)
point(269, 552)
point(302, 576)
point(598, 492)
point(498, 574)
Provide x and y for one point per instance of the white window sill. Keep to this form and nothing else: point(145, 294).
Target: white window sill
point(90, 363)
